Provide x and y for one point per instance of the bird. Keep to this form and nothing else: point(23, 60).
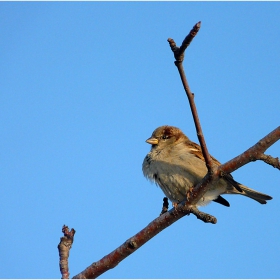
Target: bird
point(176, 165)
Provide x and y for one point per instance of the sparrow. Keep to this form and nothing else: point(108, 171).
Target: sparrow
point(176, 165)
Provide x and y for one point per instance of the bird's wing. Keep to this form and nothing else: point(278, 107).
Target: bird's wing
point(196, 150)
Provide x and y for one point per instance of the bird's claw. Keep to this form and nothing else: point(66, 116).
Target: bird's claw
point(189, 193)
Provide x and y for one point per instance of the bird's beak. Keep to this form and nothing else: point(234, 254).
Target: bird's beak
point(152, 141)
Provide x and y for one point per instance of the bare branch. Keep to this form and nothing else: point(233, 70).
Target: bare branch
point(179, 52)
point(179, 56)
point(270, 160)
point(184, 208)
point(64, 249)
point(254, 153)
point(203, 216)
point(135, 242)
point(201, 188)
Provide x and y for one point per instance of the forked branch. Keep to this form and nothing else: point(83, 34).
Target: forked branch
point(254, 153)
point(179, 56)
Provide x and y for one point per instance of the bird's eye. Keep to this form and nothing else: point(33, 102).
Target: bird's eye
point(165, 137)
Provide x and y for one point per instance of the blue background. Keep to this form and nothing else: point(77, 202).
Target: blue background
point(83, 85)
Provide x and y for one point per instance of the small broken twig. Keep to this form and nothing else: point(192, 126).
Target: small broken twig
point(64, 247)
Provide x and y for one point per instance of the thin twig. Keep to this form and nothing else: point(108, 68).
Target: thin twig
point(179, 52)
point(179, 56)
point(270, 160)
point(199, 132)
point(201, 189)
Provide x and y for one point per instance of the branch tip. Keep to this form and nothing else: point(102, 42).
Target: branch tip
point(179, 52)
point(64, 250)
point(207, 218)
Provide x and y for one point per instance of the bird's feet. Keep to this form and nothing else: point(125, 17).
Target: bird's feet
point(189, 193)
point(164, 206)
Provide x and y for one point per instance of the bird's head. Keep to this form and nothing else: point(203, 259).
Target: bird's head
point(166, 135)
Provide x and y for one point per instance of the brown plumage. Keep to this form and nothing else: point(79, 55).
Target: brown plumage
point(176, 164)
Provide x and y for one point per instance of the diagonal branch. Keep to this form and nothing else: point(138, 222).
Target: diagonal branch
point(168, 218)
point(135, 242)
point(254, 153)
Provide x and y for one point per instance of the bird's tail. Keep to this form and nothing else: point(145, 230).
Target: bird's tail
point(237, 188)
point(258, 196)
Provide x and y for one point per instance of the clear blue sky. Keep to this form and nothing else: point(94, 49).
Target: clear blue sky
point(83, 85)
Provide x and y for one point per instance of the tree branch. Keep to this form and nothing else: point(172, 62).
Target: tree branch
point(254, 153)
point(201, 188)
point(64, 247)
point(184, 208)
point(135, 242)
point(179, 56)
point(167, 218)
